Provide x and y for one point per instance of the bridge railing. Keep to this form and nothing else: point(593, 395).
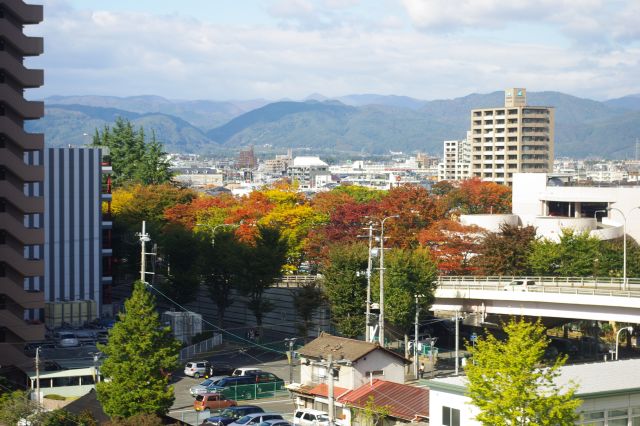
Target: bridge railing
point(559, 285)
point(595, 282)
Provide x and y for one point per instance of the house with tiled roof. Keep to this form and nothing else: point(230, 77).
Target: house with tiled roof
point(355, 363)
point(402, 403)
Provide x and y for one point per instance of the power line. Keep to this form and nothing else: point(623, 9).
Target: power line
point(215, 327)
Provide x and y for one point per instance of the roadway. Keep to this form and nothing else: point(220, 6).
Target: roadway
point(272, 362)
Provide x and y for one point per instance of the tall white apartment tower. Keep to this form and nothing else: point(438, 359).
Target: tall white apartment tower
point(456, 162)
point(510, 139)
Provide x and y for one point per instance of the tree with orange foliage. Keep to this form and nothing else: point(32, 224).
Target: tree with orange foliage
point(202, 209)
point(474, 196)
point(416, 208)
point(452, 245)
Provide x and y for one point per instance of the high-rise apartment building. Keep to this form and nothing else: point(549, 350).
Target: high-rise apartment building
point(77, 246)
point(456, 163)
point(21, 179)
point(510, 139)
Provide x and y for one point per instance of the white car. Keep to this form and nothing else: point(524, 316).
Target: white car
point(519, 285)
point(310, 417)
point(67, 340)
point(246, 371)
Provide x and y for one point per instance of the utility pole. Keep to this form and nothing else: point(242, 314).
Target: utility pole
point(144, 238)
point(457, 339)
point(38, 376)
point(415, 341)
point(381, 318)
point(331, 396)
point(369, 265)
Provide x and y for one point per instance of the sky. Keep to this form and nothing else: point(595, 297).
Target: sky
point(276, 49)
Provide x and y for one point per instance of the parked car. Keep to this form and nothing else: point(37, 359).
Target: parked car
point(248, 387)
point(244, 371)
point(310, 417)
point(206, 386)
point(212, 401)
point(274, 422)
point(66, 340)
point(255, 418)
point(231, 414)
point(519, 285)
point(196, 369)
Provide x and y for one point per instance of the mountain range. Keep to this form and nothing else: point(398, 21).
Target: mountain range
point(366, 123)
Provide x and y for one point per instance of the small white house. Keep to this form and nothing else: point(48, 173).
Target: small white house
point(355, 363)
point(610, 392)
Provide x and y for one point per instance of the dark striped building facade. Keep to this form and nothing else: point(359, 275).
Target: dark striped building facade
point(76, 234)
point(21, 185)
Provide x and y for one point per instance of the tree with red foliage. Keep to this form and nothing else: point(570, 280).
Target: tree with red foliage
point(452, 245)
point(416, 209)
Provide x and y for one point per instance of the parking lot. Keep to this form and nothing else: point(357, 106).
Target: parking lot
point(182, 408)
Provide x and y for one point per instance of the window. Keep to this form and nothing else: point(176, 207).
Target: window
point(450, 416)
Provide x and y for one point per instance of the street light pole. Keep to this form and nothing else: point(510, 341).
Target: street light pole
point(381, 318)
point(629, 329)
point(624, 249)
point(213, 229)
point(415, 341)
point(290, 340)
point(457, 339)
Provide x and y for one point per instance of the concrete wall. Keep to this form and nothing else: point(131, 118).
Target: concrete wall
point(392, 367)
point(490, 222)
point(282, 321)
point(439, 399)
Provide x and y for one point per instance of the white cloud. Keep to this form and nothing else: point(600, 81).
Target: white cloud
point(125, 53)
point(584, 20)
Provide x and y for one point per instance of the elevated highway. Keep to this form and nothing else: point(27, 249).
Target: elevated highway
point(602, 299)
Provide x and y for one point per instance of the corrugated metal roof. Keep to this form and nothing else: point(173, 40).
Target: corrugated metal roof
point(323, 390)
point(404, 401)
point(341, 348)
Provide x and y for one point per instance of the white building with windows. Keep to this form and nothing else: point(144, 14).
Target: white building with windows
point(309, 172)
point(609, 392)
point(456, 162)
point(551, 205)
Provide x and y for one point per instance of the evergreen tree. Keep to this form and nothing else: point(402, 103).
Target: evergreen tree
point(133, 159)
point(510, 384)
point(139, 352)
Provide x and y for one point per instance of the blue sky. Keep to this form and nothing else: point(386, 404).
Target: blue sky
point(274, 49)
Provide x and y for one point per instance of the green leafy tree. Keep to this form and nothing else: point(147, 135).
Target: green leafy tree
point(15, 406)
point(543, 258)
point(261, 266)
point(505, 252)
point(65, 418)
point(372, 414)
point(510, 384)
point(220, 268)
point(408, 273)
point(133, 159)
point(345, 285)
point(138, 352)
point(179, 248)
point(579, 254)
point(307, 301)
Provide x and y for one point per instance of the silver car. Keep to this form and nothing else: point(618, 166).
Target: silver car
point(67, 340)
point(255, 418)
point(206, 386)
